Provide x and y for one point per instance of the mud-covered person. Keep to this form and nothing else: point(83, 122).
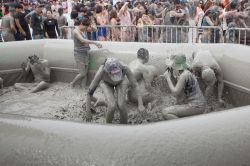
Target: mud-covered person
point(41, 72)
point(111, 76)
point(81, 50)
point(190, 100)
point(144, 75)
point(206, 67)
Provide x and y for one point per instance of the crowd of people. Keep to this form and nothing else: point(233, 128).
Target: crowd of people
point(138, 20)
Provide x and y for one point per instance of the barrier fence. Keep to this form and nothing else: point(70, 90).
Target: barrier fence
point(163, 34)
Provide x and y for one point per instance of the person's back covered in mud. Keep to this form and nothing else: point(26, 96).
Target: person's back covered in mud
point(144, 75)
point(206, 67)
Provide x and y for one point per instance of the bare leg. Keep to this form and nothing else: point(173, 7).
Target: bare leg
point(83, 69)
point(24, 86)
point(41, 86)
point(121, 94)
point(179, 111)
point(111, 102)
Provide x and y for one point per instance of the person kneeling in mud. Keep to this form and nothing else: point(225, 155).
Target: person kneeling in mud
point(187, 90)
point(205, 66)
point(111, 77)
point(144, 75)
point(41, 72)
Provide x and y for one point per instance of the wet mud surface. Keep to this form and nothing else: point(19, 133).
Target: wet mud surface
point(60, 101)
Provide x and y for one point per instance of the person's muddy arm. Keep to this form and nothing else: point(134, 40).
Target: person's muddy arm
point(85, 41)
point(122, 10)
point(12, 25)
point(25, 67)
point(176, 90)
point(95, 82)
point(220, 85)
point(134, 84)
point(46, 70)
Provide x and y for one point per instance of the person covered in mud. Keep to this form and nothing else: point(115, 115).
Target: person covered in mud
point(205, 66)
point(144, 75)
point(190, 100)
point(81, 50)
point(112, 79)
point(41, 72)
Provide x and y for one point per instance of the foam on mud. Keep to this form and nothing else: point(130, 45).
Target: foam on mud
point(62, 102)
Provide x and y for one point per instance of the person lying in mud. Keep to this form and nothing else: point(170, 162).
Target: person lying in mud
point(205, 66)
point(190, 99)
point(112, 79)
point(144, 75)
point(1, 86)
point(41, 71)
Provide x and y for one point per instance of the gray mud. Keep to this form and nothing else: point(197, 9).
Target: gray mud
point(62, 102)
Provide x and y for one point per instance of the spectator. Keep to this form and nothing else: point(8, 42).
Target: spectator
point(115, 32)
point(155, 21)
point(23, 31)
point(51, 26)
point(102, 22)
point(62, 21)
point(37, 23)
point(8, 26)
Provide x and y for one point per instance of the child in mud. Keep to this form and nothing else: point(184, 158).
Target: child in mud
point(112, 79)
point(41, 71)
point(144, 75)
point(205, 66)
point(189, 96)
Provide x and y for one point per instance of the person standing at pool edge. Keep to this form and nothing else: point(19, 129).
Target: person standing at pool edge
point(81, 50)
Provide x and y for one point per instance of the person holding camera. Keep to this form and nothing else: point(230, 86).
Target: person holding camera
point(190, 100)
point(41, 72)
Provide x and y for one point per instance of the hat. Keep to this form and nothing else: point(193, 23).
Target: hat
point(178, 62)
point(208, 76)
point(114, 69)
point(142, 53)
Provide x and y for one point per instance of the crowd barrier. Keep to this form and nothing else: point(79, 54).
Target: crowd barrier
point(163, 34)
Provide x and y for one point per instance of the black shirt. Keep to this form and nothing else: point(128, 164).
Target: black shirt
point(49, 27)
point(37, 24)
point(20, 16)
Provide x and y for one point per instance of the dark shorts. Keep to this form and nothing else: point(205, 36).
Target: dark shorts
point(102, 31)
